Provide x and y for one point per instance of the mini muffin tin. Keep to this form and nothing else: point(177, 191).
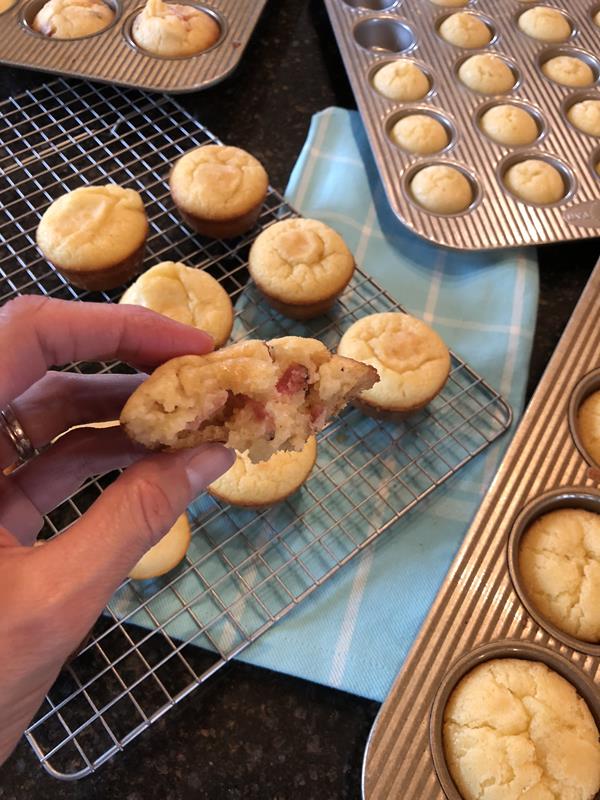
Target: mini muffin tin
point(111, 56)
point(371, 33)
point(482, 610)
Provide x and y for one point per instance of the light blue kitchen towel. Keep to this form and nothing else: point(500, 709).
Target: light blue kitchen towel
point(354, 632)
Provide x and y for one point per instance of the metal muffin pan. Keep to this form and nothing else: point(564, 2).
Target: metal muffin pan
point(373, 32)
point(111, 55)
point(482, 609)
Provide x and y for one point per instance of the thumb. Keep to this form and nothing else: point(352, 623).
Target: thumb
point(98, 551)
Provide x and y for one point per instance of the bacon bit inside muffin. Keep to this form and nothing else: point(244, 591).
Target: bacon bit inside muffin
point(294, 379)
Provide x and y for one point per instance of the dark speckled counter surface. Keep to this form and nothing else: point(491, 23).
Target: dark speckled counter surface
point(251, 733)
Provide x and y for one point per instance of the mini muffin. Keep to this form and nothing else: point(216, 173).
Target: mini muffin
point(268, 482)
point(441, 189)
point(301, 266)
point(568, 71)
point(420, 133)
point(464, 29)
point(486, 73)
point(559, 561)
point(172, 30)
point(545, 24)
point(514, 729)
point(187, 295)
point(219, 190)
point(412, 361)
point(253, 396)
point(509, 125)
point(535, 181)
point(95, 235)
point(401, 81)
point(588, 423)
point(166, 553)
point(72, 19)
point(597, 18)
point(586, 116)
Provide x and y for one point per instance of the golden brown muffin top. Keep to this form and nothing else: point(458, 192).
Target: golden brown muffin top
point(217, 182)
point(514, 729)
point(174, 30)
point(412, 360)
point(71, 19)
point(92, 227)
point(300, 261)
point(187, 295)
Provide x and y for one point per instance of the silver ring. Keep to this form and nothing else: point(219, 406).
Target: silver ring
point(14, 430)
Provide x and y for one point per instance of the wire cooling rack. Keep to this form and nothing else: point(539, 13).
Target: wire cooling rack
point(159, 640)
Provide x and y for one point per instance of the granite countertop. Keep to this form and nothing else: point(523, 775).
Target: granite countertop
point(251, 733)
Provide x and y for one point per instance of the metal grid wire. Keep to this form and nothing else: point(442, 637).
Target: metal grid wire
point(244, 570)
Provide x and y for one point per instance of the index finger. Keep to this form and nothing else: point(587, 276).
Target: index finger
point(38, 332)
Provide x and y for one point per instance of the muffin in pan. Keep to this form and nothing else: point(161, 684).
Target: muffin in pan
point(568, 71)
point(187, 295)
point(174, 30)
point(95, 235)
point(535, 181)
point(441, 189)
point(422, 134)
point(486, 73)
point(559, 561)
point(514, 729)
point(401, 80)
point(545, 24)
point(72, 19)
point(412, 362)
point(218, 190)
point(464, 29)
point(268, 482)
point(253, 396)
point(509, 125)
point(585, 116)
point(301, 266)
point(166, 553)
point(588, 423)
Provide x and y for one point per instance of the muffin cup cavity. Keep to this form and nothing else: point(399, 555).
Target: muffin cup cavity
point(373, 5)
point(589, 384)
point(565, 497)
point(526, 6)
point(566, 174)
point(408, 111)
point(508, 648)
point(582, 55)
point(127, 32)
point(534, 112)
point(487, 21)
point(425, 69)
point(30, 10)
point(410, 173)
point(508, 61)
point(384, 35)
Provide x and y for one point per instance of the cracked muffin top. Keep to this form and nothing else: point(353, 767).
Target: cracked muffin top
point(173, 30)
point(411, 359)
point(72, 19)
point(217, 182)
point(516, 729)
point(185, 294)
point(559, 560)
point(300, 261)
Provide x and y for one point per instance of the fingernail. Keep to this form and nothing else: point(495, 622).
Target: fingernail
point(207, 463)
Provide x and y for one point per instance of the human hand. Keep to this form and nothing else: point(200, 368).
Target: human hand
point(51, 596)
